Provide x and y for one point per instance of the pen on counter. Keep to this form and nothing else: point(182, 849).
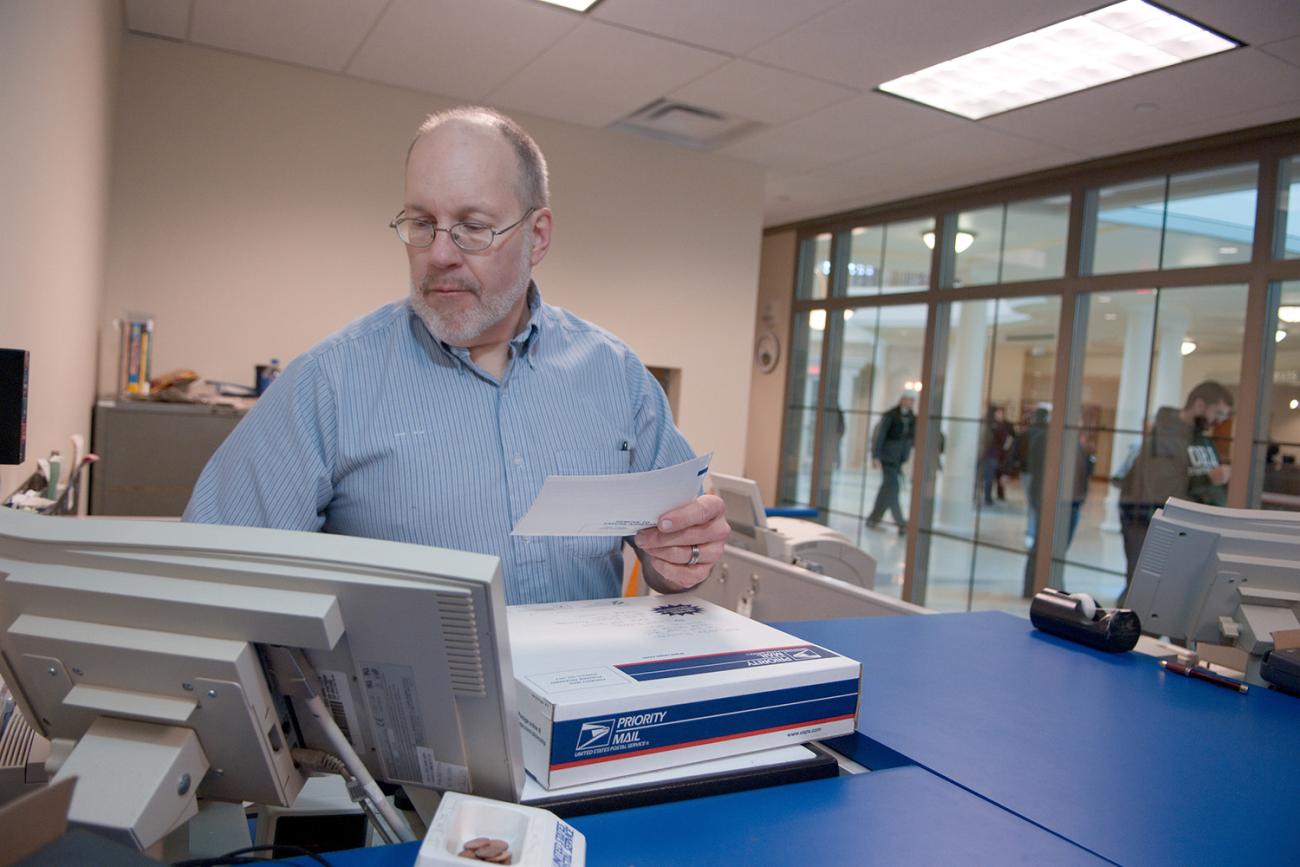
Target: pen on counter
point(1203, 674)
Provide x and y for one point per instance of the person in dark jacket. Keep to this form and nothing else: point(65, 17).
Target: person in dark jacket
point(890, 448)
point(1178, 458)
point(1085, 459)
point(995, 453)
point(1032, 447)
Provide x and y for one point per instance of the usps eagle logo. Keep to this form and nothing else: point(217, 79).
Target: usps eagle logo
point(679, 610)
point(594, 734)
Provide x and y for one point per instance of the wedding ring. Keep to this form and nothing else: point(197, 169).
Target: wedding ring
point(695, 555)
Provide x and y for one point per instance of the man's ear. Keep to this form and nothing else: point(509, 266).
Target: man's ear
point(541, 229)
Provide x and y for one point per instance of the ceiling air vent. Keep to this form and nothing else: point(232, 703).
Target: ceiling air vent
point(687, 125)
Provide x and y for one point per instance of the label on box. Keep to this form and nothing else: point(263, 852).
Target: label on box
point(567, 681)
point(599, 739)
point(710, 662)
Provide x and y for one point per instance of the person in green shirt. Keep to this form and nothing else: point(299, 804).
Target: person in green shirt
point(1177, 458)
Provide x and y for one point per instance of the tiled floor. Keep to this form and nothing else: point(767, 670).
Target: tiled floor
point(989, 575)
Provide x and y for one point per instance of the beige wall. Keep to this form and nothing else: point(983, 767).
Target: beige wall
point(57, 65)
point(767, 390)
point(250, 210)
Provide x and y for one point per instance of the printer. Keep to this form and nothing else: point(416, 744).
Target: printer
point(804, 543)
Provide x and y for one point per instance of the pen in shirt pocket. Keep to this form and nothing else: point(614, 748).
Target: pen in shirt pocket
point(625, 446)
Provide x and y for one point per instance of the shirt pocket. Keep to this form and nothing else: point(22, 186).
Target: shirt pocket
point(610, 460)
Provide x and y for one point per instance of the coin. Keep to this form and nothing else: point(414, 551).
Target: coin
point(467, 853)
point(476, 843)
point(492, 850)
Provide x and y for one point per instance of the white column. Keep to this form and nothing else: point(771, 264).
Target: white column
point(1168, 385)
point(1130, 404)
point(963, 397)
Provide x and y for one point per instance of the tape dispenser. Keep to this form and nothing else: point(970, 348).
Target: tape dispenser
point(1077, 617)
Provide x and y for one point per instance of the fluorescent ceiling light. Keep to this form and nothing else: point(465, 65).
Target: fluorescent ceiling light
point(1277, 338)
point(575, 5)
point(817, 320)
point(1188, 347)
point(1288, 314)
point(1115, 42)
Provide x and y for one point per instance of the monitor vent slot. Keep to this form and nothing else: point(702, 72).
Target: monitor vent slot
point(17, 742)
point(1157, 548)
point(460, 643)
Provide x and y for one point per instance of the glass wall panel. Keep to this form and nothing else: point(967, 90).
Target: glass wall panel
point(1136, 440)
point(867, 458)
point(948, 581)
point(1288, 218)
point(814, 267)
point(997, 581)
point(999, 364)
point(866, 260)
point(1188, 220)
point(1128, 222)
point(801, 408)
point(1210, 217)
point(1033, 246)
point(847, 416)
point(1277, 448)
point(907, 258)
point(978, 246)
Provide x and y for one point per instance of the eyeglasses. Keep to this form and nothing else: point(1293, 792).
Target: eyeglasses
point(468, 235)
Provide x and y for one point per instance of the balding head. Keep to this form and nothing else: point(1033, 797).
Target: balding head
point(532, 186)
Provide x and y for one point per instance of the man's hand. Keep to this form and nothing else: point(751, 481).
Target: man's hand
point(666, 549)
point(1220, 474)
point(875, 463)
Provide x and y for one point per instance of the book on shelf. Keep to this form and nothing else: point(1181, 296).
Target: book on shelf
point(134, 355)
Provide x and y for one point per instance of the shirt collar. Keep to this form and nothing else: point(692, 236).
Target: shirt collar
point(522, 344)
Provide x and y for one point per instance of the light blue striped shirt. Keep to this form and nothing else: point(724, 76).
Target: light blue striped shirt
point(383, 431)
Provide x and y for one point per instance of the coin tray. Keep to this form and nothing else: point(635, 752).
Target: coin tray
point(537, 838)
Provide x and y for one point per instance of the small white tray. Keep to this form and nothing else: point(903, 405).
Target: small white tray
point(537, 838)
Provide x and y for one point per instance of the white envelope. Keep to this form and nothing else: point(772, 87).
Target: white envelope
point(616, 505)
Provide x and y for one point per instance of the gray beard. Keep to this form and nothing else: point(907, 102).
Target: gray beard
point(462, 329)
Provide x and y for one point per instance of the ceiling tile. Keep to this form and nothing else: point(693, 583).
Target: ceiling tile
point(1204, 127)
point(459, 48)
point(1207, 90)
point(598, 73)
point(869, 122)
point(1251, 21)
point(732, 26)
point(761, 93)
point(320, 33)
point(162, 17)
point(940, 157)
point(1286, 49)
point(867, 42)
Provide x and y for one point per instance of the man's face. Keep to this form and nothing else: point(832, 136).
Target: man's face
point(905, 403)
point(463, 171)
point(1214, 413)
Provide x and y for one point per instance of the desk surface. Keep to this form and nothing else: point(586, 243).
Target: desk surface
point(899, 816)
point(1137, 765)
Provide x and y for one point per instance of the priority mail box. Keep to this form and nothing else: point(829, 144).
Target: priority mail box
point(612, 687)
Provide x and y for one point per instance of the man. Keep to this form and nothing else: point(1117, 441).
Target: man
point(890, 448)
point(436, 419)
point(1177, 458)
point(999, 434)
point(1032, 449)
